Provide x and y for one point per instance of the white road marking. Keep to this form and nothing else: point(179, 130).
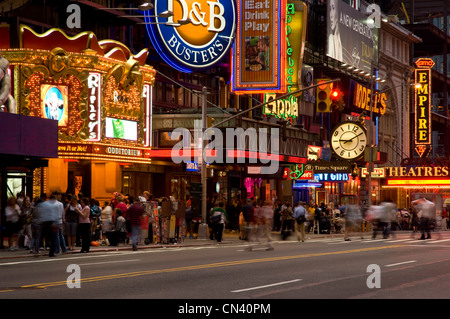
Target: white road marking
point(109, 262)
point(402, 263)
point(266, 286)
point(436, 241)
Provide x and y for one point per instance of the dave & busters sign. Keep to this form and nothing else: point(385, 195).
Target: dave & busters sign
point(191, 34)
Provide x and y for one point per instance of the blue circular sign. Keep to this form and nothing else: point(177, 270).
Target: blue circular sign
point(192, 34)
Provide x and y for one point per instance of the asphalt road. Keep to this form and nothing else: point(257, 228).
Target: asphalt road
point(327, 268)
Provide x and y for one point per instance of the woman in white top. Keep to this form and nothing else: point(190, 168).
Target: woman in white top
point(13, 225)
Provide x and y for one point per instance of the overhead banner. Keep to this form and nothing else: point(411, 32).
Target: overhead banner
point(350, 39)
point(260, 47)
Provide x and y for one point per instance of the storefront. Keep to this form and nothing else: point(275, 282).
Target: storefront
point(407, 183)
point(101, 96)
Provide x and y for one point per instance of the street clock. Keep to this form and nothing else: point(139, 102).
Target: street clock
point(348, 140)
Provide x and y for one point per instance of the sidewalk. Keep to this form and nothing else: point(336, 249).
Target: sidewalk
point(228, 238)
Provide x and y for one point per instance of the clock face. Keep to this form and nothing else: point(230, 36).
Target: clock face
point(348, 140)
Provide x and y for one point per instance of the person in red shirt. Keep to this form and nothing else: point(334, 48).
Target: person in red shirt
point(121, 205)
point(135, 213)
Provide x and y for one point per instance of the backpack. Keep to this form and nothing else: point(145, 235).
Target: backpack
point(95, 211)
point(215, 219)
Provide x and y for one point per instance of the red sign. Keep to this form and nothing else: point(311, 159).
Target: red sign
point(425, 63)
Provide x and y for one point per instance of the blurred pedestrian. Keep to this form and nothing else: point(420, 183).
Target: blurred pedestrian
point(218, 218)
point(262, 224)
point(51, 217)
point(300, 219)
point(286, 221)
point(26, 216)
point(352, 220)
point(35, 226)
point(13, 225)
point(135, 214)
point(247, 211)
point(390, 218)
point(84, 225)
point(427, 216)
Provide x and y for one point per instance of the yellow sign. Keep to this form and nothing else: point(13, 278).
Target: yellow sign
point(361, 99)
point(423, 107)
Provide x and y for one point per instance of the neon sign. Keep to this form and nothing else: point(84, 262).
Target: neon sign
point(196, 36)
point(423, 103)
point(283, 108)
point(94, 121)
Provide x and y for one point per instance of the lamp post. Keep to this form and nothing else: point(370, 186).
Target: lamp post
point(370, 134)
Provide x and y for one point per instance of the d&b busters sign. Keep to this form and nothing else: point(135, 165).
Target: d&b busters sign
point(198, 44)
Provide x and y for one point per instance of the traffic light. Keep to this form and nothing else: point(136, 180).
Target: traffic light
point(337, 100)
point(323, 98)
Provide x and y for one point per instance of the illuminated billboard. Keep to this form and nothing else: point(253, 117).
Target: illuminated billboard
point(350, 39)
point(54, 103)
point(191, 35)
point(122, 129)
point(259, 52)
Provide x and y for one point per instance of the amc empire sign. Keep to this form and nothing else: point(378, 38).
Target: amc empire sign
point(423, 102)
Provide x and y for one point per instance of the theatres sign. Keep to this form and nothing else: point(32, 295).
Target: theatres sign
point(417, 171)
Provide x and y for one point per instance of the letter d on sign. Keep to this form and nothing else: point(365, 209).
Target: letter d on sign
point(74, 279)
point(374, 280)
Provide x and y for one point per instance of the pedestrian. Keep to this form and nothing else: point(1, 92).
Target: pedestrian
point(84, 225)
point(121, 205)
point(188, 218)
point(247, 211)
point(51, 216)
point(26, 216)
point(13, 225)
point(263, 218)
point(352, 218)
point(121, 226)
point(286, 221)
point(60, 245)
point(317, 216)
point(300, 219)
point(71, 221)
point(95, 217)
point(36, 227)
point(135, 214)
point(390, 217)
point(218, 218)
point(277, 217)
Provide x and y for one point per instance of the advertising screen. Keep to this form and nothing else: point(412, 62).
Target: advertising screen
point(350, 39)
point(123, 129)
point(54, 103)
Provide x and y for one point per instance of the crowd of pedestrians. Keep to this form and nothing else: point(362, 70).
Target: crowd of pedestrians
point(63, 222)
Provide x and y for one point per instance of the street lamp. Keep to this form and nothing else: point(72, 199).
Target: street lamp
point(370, 137)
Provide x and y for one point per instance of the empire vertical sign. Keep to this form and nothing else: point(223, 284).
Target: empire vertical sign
point(422, 136)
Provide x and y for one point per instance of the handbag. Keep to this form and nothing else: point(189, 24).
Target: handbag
point(301, 219)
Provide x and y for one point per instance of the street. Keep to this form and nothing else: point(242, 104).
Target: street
point(322, 268)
